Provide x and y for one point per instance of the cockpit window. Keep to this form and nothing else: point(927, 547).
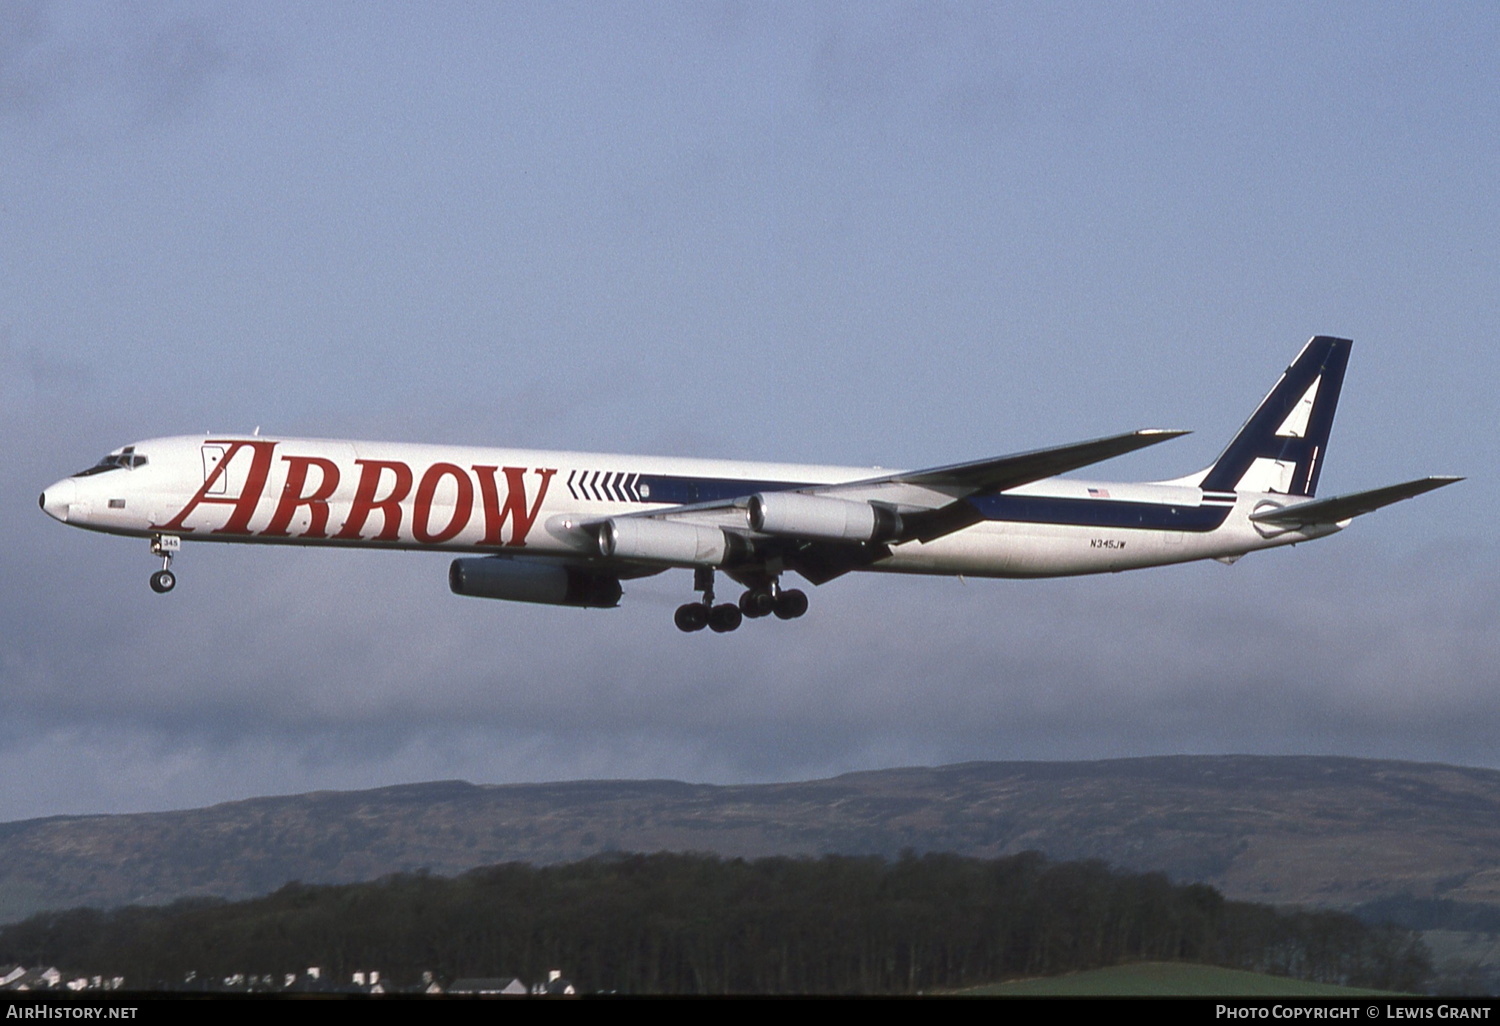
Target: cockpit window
point(127, 458)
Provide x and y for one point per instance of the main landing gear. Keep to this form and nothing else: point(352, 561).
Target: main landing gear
point(165, 546)
point(755, 603)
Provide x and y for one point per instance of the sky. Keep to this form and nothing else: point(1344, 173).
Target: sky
point(866, 233)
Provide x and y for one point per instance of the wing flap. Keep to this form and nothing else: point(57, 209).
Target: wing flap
point(1337, 508)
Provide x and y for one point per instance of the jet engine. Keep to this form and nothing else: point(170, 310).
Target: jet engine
point(815, 516)
point(670, 542)
point(533, 580)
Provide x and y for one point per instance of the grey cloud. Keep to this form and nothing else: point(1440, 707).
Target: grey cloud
point(979, 67)
point(171, 64)
point(359, 666)
point(777, 298)
point(29, 369)
point(30, 71)
point(140, 63)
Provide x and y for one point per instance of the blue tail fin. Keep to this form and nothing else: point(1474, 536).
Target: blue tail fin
point(1281, 446)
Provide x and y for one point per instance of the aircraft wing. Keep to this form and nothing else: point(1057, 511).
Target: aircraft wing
point(996, 475)
point(916, 491)
point(931, 502)
point(922, 504)
point(1337, 508)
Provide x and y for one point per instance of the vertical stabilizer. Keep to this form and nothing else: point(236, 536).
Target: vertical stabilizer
point(1281, 446)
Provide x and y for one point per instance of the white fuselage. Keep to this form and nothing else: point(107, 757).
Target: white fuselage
point(235, 488)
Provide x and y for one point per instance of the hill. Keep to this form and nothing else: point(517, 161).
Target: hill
point(1311, 830)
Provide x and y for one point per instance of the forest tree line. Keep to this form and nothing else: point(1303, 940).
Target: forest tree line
point(699, 924)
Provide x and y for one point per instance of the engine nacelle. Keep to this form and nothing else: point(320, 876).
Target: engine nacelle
point(815, 516)
point(670, 543)
point(530, 580)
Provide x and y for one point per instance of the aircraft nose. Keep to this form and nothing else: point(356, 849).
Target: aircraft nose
point(58, 497)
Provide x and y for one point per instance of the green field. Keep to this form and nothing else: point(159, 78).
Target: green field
point(1166, 979)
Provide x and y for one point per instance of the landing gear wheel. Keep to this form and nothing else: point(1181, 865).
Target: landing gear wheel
point(163, 581)
point(724, 618)
point(756, 603)
point(691, 617)
point(791, 604)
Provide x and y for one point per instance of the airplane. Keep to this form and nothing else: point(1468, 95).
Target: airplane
point(567, 528)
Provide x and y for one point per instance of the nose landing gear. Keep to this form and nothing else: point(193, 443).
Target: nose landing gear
point(165, 546)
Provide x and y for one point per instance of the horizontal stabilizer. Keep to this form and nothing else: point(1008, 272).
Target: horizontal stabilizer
point(1344, 507)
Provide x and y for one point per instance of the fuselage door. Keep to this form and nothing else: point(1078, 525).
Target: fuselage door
point(213, 455)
